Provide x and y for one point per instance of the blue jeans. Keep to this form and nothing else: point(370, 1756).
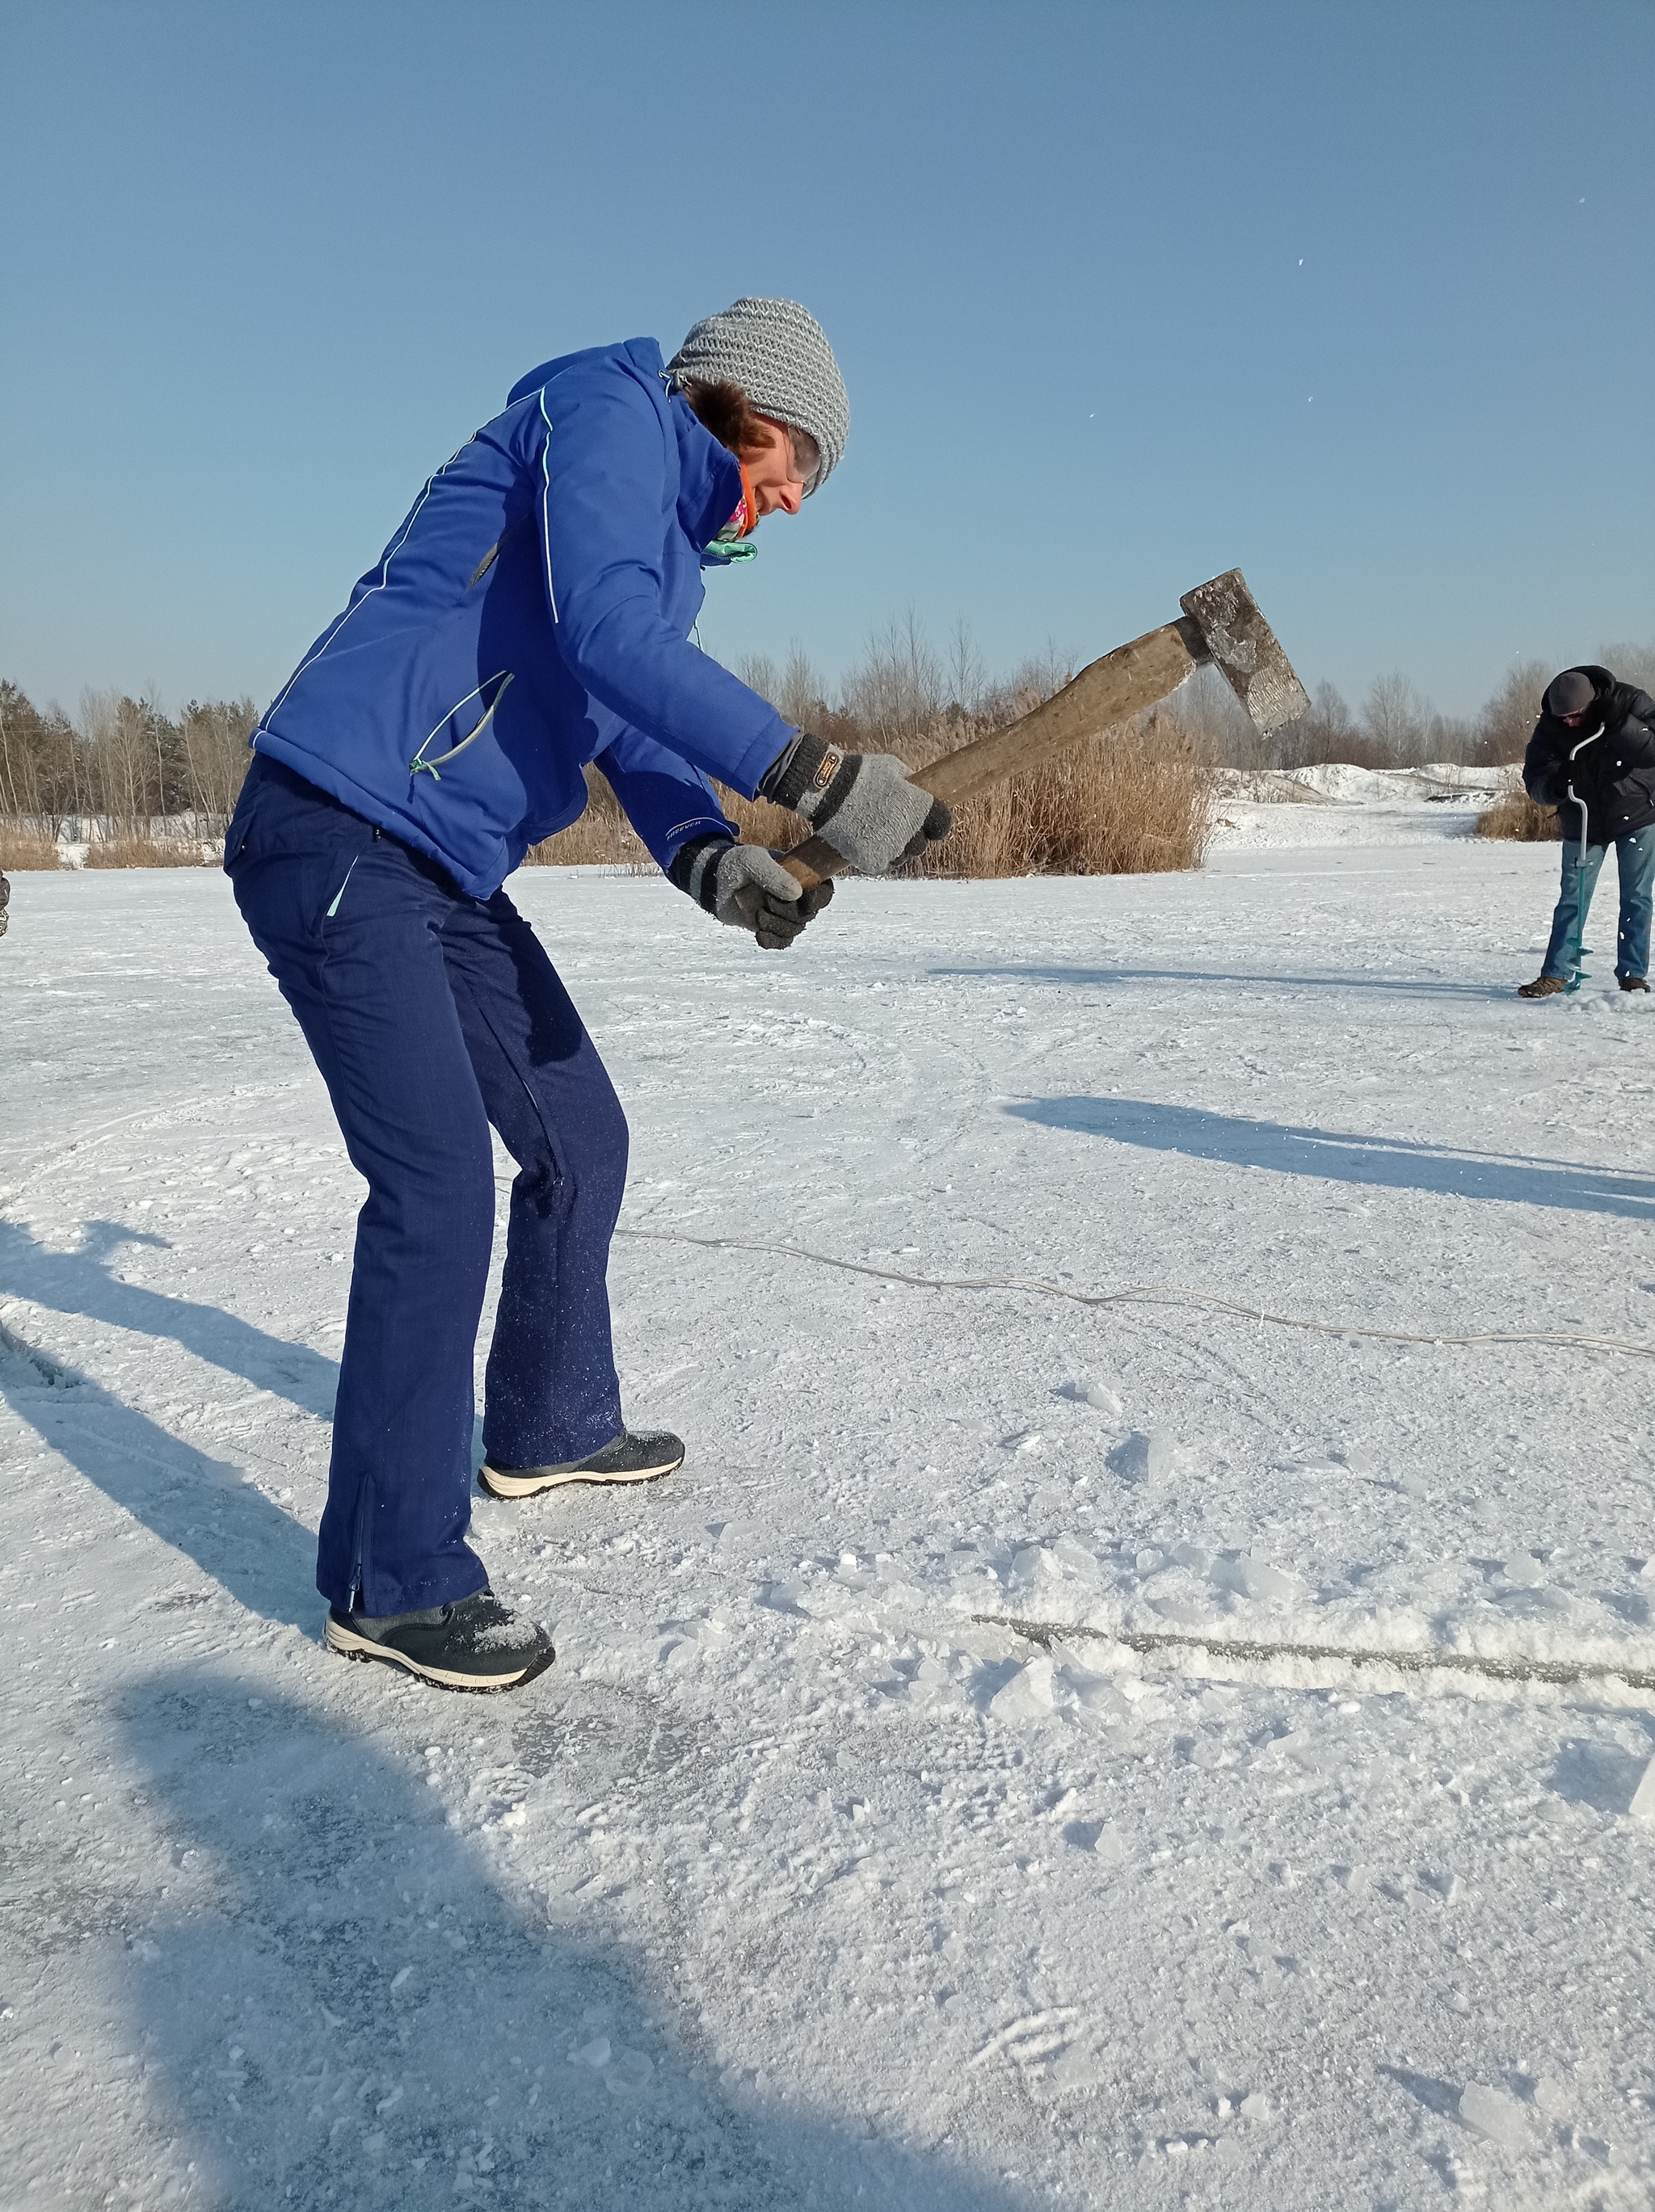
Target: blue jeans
point(1634, 859)
point(431, 1014)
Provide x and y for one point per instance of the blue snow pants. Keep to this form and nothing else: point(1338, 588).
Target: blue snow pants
point(1634, 861)
point(431, 1014)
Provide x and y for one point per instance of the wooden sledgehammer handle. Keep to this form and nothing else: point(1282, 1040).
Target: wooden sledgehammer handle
point(1112, 690)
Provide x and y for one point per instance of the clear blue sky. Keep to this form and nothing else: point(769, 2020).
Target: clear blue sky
point(1356, 297)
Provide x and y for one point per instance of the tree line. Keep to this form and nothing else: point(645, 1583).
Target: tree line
point(908, 695)
point(122, 759)
point(127, 760)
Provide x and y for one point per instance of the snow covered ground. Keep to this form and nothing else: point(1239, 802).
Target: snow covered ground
point(802, 1879)
point(1339, 804)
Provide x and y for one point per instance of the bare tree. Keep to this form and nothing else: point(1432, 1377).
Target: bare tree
point(1507, 719)
point(1632, 664)
point(1396, 721)
point(801, 695)
point(1219, 724)
point(758, 672)
point(898, 692)
point(213, 738)
point(966, 677)
point(1325, 732)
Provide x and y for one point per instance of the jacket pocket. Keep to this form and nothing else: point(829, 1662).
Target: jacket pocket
point(462, 726)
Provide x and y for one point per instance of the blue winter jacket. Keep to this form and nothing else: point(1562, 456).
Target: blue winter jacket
point(532, 613)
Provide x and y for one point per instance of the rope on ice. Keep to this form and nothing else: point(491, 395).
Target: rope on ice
point(1566, 1673)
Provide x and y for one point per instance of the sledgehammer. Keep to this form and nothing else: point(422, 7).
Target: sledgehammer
point(1221, 623)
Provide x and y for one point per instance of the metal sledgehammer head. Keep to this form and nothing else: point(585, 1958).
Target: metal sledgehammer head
point(1222, 624)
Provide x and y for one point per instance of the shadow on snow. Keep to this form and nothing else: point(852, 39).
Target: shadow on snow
point(82, 1283)
point(1266, 980)
point(1378, 1162)
point(347, 2005)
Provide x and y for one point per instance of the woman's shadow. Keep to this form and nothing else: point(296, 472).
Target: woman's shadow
point(347, 2008)
point(202, 1506)
point(83, 1282)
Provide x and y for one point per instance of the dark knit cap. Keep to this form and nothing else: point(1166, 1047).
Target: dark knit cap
point(1571, 693)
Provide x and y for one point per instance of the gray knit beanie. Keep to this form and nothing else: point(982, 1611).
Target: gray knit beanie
point(1571, 693)
point(778, 353)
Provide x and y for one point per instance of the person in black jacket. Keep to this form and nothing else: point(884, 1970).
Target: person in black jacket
point(1592, 756)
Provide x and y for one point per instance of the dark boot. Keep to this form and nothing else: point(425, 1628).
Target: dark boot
point(629, 1459)
point(473, 1645)
point(1542, 987)
point(1632, 982)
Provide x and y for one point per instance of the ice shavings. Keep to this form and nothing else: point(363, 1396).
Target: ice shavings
point(1642, 1807)
point(1250, 1577)
point(1028, 1695)
point(1494, 2114)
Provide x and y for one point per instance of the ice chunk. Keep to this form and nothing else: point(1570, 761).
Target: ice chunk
point(1107, 1847)
point(594, 2054)
point(1250, 1577)
point(1070, 1553)
point(1255, 2107)
point(1193, 1557)
point(1030, 1567)
point(1028, 1695)
point(1552, 2098)
point(1525, 1570)
point(1642, 1807)
point(1096, 1694)
point(1494, 2114)
point(1147, 1455)
point(627, 2074)
point(1090, 1392)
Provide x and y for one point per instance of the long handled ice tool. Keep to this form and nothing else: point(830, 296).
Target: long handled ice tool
point(1221, 623)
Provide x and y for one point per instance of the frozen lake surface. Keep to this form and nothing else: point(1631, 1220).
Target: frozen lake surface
point(803, 1879)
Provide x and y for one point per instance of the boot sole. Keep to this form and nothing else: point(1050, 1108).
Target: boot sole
point(526, 1486)
point(349, 1645)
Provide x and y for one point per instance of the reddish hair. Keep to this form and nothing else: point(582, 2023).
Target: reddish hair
point(726, 411)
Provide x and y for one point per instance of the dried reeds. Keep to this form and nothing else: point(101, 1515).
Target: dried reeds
point(1517, 817)
point(133, 849)
point(1134, 801)
point(603, 837)
point(22, 847)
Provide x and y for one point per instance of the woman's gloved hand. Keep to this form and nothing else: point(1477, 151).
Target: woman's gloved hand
point(748, 888)
point(861, 803)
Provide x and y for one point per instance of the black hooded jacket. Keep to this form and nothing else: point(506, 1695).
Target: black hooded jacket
point(1607, 764)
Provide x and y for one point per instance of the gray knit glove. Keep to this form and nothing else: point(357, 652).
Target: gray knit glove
point(862, 804)
point(748, 887)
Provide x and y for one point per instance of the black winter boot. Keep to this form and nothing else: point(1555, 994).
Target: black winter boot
point(475, 1644)
point(1632, 982)
point(628, 1458)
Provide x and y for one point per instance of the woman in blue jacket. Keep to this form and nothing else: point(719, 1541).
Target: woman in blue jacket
point(531, 614)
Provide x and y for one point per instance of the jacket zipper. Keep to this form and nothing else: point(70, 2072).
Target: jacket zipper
point(420, 766)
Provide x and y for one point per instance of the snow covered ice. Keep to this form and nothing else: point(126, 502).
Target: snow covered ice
point(848, 1856)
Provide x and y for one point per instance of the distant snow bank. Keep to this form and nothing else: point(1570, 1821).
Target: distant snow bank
point(1336, 803)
